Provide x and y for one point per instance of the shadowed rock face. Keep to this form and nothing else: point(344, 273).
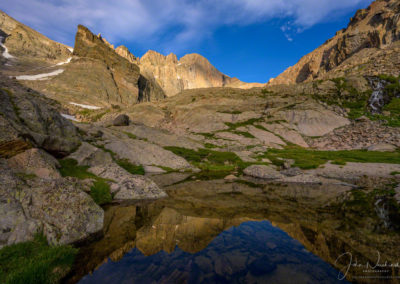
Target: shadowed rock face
point(28, 119)
point(374, 28)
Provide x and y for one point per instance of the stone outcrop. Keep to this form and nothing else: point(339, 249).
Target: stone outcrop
point(125, 53)
point(359, 135)
point(371, 29)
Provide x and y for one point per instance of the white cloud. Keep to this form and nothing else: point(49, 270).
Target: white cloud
point(176, 23)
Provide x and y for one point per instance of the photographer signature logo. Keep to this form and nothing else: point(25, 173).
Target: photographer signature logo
point(378, 266)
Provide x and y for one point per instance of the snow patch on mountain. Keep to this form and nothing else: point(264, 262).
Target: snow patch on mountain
point(85, 106)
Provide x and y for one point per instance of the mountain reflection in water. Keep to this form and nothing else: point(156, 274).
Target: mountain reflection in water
point(221, 232)
point(253, 252)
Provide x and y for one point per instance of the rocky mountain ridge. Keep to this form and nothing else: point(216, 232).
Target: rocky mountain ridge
point(375, 29)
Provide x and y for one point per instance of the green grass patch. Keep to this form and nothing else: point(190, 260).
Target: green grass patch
point(70, 168)
point(233, 126)
point(93, 115)
point(213, 164)
point(207, 135)
point(311, 159)
point(35, 262)
point(395, 173)
point(100, 192)
point(129, 167)
point(243, 133)
point(130, 135)
point(210, 146)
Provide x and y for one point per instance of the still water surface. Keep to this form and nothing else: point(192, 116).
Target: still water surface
point(218, 232)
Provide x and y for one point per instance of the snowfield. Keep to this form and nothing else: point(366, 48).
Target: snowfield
point(70, 117)
point(64, 62)
point(85, 106)
point(5, 52)
point(43, 76)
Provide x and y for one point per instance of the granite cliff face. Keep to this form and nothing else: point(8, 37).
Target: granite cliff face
point(192, 71)
point(371, 32)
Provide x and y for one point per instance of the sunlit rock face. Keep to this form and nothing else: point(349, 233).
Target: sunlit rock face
point(192, 71)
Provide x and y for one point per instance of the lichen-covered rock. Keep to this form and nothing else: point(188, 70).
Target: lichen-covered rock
point(58, 208)
point(35, 161)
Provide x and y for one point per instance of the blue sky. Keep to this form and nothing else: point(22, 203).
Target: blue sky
point(253, 40)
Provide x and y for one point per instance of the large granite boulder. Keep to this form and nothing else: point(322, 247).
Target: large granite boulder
point(59, 208)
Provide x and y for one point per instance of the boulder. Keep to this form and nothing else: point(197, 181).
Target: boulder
point(382, 147)
point(121, 120)
point(89, 155)
point(140, 152)
point(35, 161)
point(128, 186)
point(262, 171)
